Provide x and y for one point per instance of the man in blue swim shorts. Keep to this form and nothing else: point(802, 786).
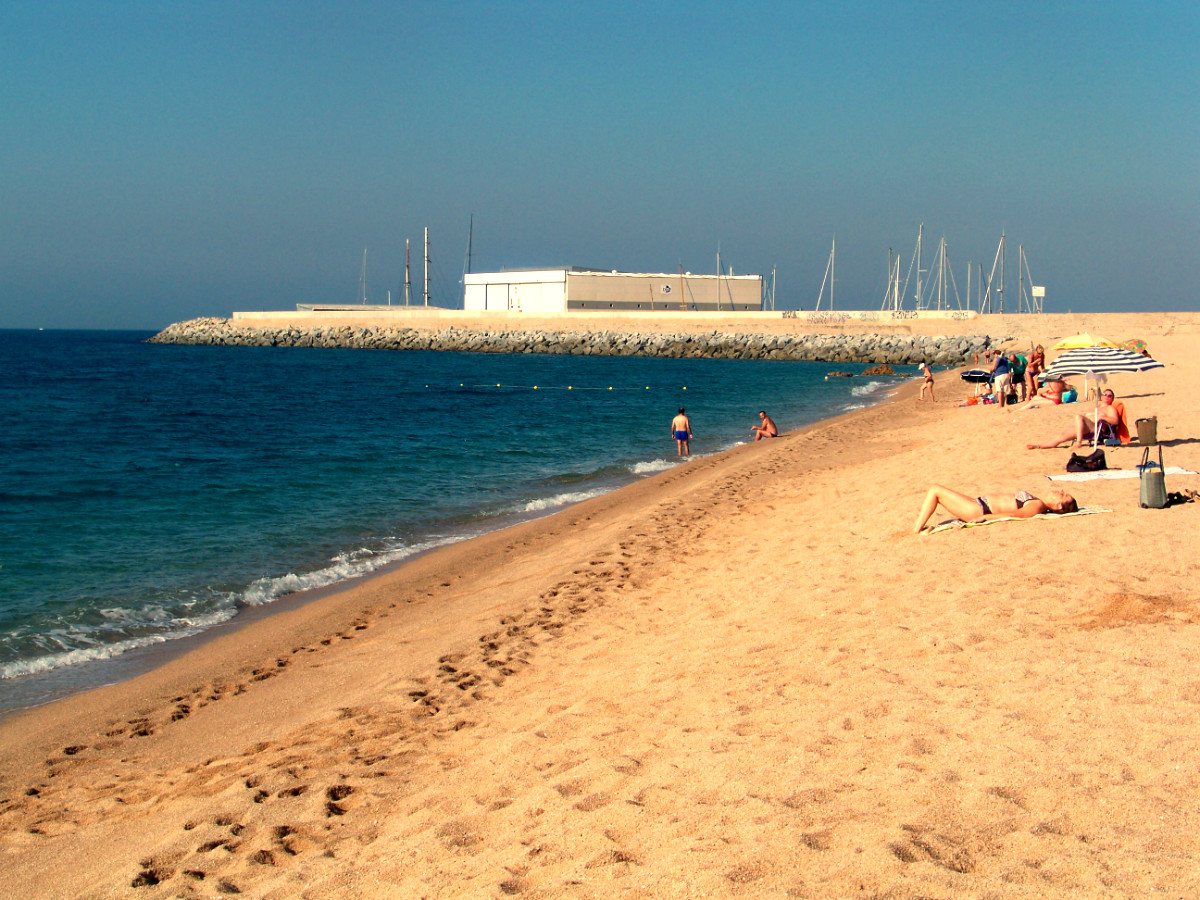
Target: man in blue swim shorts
point(681, 430)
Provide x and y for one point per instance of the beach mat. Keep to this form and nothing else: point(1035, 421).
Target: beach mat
point(1113, 473)
point(953, 524)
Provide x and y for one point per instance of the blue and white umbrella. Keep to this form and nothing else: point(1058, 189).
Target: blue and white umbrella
point(1093, 361)
point(1100, 361)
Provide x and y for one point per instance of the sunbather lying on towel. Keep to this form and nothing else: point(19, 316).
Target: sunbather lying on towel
point(1022, 505)
point(1050, 395)
point(1111, 420)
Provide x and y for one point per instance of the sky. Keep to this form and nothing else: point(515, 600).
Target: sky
point(162, 161)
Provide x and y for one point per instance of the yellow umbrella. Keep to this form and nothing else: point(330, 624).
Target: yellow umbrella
point(1082, 340)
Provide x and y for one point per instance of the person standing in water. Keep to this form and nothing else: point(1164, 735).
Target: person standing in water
point(681, 430)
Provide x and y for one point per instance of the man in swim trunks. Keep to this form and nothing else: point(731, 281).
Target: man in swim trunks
point(681, 430)
point(1111, 420)
point(767, 429)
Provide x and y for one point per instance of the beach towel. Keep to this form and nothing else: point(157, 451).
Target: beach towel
point(952, 524)
point(1113, 473)
point(1123, 434)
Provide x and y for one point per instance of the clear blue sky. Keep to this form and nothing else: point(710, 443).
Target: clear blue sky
point(160, 161)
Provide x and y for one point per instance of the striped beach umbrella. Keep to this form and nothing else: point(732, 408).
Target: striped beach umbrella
point(1100, 361)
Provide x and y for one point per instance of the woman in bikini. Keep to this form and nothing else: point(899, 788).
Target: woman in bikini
point(1037, 364)
point(1022, 505)
point(928, 385)
point(1050, 395)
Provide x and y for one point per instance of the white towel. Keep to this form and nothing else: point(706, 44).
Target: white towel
point(1114, 473)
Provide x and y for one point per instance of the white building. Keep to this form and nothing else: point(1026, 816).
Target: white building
point(573, 288)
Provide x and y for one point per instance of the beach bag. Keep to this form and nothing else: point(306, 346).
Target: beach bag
point(1093, 462)
point(1147, 431)
point(1153, 482)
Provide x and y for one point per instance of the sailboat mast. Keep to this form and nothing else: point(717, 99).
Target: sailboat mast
point(920, 238)
point(942, 298)
point(362, 280)
point(470, 237)
point(1001, 291)
point(828, 279)
point(426, 265)
point(1021, 298)
point(407, 280)
point(718, 276)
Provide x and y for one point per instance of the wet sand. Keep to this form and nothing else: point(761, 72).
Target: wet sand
point(742, 677)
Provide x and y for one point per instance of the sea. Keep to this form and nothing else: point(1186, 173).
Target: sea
point(154, 494)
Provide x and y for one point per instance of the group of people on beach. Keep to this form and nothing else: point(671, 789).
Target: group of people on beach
point(1014, 376)
point(1110, 423)
point(681, 430)
point(1011, 374)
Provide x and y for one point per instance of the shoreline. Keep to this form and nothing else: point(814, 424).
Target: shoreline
point(739, 674)
point(37, 689)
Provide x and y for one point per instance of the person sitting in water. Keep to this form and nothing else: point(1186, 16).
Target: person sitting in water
point(767, 429)
point(1050, 395)
point(1110, 419)
point(1022, 505)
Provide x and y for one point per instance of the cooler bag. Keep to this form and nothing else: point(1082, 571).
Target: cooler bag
point(1153, 482)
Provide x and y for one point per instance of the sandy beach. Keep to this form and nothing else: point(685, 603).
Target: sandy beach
point(744, 677)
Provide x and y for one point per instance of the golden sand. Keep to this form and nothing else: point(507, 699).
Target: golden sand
point(740, 678)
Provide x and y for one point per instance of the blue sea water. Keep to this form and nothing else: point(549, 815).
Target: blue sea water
point(151, 492)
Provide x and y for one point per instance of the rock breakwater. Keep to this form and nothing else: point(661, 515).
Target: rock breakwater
point(892, 349)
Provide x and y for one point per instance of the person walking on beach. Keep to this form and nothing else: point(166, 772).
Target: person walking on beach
point(928, 385)
point(767, 429)
point(681, 430)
